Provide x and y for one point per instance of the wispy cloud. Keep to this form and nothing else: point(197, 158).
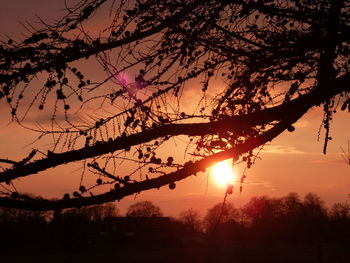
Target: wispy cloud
point(302, 124)
point(279, 149)
point(328, 161)
point(261, 184)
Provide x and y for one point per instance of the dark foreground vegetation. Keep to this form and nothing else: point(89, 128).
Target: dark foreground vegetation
point(265, 229)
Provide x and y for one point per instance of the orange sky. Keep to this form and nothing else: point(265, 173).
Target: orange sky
point(292, 163)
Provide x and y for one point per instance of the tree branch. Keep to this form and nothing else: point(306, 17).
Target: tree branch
point(190, 168)
point(93, 50)
point(231, 123)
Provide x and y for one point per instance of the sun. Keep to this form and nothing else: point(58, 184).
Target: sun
point(223, 172)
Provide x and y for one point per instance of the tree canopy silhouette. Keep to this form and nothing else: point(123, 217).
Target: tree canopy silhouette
point(273, 60)
point(221, 213)
point(144, 209)
point(191, 219)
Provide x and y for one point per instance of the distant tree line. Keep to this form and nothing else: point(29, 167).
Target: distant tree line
point(288, 219)
point(263, 219)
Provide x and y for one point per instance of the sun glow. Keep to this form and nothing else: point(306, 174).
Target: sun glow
point(223, 172)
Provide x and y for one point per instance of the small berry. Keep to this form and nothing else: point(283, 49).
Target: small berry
point(291, 128)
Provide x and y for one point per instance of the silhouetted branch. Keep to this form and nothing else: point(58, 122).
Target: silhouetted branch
point(235, 124)
point(190, 168)
point(274, 59)
point(8, 161)
point(346, 154)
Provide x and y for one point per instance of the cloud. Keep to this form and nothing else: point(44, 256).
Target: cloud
point(264, 184)
point(302, 124)
point(328, 161)
point(279, 149)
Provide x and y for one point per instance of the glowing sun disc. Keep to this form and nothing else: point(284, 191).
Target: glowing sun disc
point(223, 172)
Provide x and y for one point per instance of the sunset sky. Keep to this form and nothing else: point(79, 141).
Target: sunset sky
point(294, 162)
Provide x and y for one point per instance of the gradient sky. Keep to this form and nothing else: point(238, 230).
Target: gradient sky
point(292, 163)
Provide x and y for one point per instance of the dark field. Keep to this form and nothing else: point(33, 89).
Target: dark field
point(181, 253)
